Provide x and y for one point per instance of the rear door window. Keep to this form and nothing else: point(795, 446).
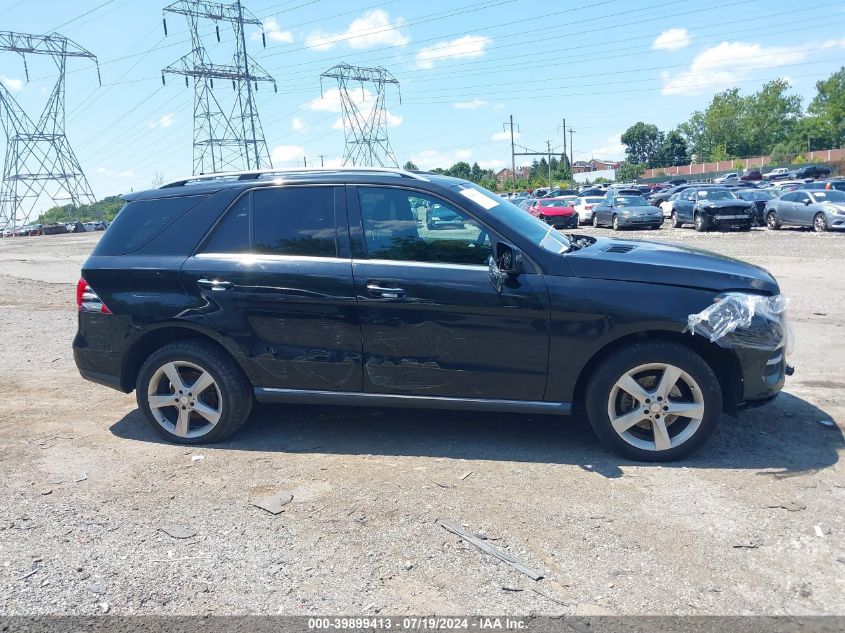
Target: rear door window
point(294, 221)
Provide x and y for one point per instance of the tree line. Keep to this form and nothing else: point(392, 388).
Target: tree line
point(537, 173)
point(768, 122)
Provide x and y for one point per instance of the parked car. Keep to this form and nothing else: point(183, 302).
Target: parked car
point(824, 184)
point(8, 231)
point(555, 211)
point(811, 171)
point(779, 173)
point(753, 174)
point(675, 182)
point(658, 198)
point(623, 210)
point(668, 205)
point(759, 197)
point(506, 315)
point(788, 185)
point(584, 207)
point(591, 192)
point(709, 208)
point(725, 178)
point(822, 210)
point(438, 217)
point(558, 193)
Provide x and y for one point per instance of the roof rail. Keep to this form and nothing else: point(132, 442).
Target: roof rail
point(254, 174)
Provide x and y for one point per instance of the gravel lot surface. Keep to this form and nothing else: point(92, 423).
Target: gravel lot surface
point(753, 524)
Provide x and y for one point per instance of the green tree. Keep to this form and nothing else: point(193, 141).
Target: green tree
point(725, 125)
point(771, 116)
point(460, 169)
point(643, 142)
point(673, 150)
point(694, 132)
point(629, 171)
point(829, 106)
point(410, 166)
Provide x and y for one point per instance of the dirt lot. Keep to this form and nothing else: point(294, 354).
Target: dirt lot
point(86, 489)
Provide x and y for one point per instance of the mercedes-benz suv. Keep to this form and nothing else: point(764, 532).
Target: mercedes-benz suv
point(331, 287)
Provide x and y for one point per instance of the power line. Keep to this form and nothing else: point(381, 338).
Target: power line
point(79, 17)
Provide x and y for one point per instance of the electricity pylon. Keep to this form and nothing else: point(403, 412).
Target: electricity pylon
point(365, 132)
point(224, 138)
point(38, 153)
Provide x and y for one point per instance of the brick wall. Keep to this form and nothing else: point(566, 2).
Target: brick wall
point(758, 162)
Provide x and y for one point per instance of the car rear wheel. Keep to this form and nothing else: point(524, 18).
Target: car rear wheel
point(595, 220)
point(191, 393)
point(615, 222)
point(654, 401)
point(820, 223)
point(772, 221)
point(701, 223)
point(676, 223)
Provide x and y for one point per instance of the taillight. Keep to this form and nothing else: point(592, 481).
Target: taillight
point(87, 300)
point(589, 207)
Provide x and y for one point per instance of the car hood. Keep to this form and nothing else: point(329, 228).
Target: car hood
point(556, 210)
point(641, 209)
point(720, 204)
point(668, 264)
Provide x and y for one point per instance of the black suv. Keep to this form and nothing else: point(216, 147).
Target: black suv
point(811, 171)
point(707, 208)
point(328, 287)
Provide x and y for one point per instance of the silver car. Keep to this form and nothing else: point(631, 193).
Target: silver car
point(821, 209)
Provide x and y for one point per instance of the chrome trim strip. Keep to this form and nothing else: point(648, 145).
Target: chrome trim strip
point(251, 258)
point(392, 262)
point(775, 360)
point(384, 399)
point(223, 175)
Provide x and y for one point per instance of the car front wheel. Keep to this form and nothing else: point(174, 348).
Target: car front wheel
point(192, 393)
point(676, 223)
point(772, 221)
point(595, 220)
point(701, 224)
point(820, 223)
point(654, 401)
point(615, 222)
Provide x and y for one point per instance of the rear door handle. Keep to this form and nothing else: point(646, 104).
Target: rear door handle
point(215, 284)
point(384, 293)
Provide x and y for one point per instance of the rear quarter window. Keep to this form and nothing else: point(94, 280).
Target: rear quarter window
point(140, 221)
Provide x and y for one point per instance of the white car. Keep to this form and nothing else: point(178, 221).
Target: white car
point(667, 206)
point(584, 207)
point(776, 174)
point(7, 232)
point(731, 177)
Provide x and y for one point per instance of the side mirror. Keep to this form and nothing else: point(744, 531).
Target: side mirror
point(807, 202)
point(508, 259)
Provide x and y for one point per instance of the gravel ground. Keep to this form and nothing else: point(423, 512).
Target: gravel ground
point(752, 524)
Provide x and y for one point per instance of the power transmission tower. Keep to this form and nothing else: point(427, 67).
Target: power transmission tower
point(364, 132)
point(224, 138)
point(39, 153)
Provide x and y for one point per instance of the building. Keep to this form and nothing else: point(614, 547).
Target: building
point(504, 175)
point(594, 164)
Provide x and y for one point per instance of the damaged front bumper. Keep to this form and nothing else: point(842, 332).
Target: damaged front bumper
point(755, 328)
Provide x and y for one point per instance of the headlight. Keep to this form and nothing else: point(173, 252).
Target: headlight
point(625, 212)
point(741, 319)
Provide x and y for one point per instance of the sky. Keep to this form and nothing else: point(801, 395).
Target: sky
point(464, 67)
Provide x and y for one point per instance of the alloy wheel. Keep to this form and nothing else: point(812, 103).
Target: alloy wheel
point(655, 407)
point(184, 399)
point(772, 220)
point(820, 223)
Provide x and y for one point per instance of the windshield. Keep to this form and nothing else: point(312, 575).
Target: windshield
point(593, 200)
point(631, 201)
point(715, 194)
point(555, 203)
point(527, 225)
point(829, 196)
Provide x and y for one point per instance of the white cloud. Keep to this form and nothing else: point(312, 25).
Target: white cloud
point(470, 105)
point(612, 148)
point(671, 40)
point(165, 121)
point(286, 154)
point(728, 63)
point(126, 174)
point(363, 100)
point(468, 46)
point(504, 135)
point(432, 158)
point(13, 85)
point(495, 164)
point(273, 32)
point(371, 29)
point(298, 124)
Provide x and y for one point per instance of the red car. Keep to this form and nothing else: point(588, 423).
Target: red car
point(555, 211)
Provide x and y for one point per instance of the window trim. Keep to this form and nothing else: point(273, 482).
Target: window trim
point(359, 242)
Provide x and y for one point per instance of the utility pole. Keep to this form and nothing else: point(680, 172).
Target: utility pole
point(321, 160)
point(365, 132)
point(513, 151)
point(563, 128)
point(549, 151)
point(305, 162)
point(38, 152)
point(571, 148)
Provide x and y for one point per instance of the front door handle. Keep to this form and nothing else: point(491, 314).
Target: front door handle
point(384, 293)
point(215, 284)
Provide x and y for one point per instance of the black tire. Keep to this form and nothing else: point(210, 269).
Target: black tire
point(655, 227)
point(676, 223)
point(601, 384)
point(701, 223)
point(819, 223)
point(615, 223)
point(235, 400)
point(772, 220)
